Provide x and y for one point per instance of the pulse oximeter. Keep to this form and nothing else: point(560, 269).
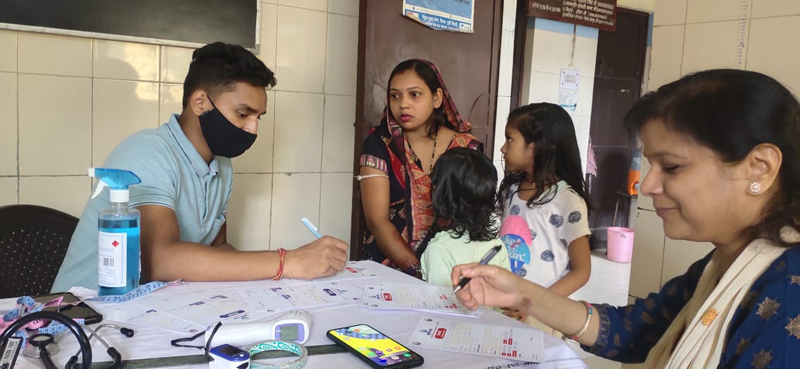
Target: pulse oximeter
point(228, 357)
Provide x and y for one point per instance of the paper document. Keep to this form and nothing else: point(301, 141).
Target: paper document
point(407, 296)
point(141, 315)
point(303, 296)
point(205, 308)
point(416, 296)
point(352, 270)
point(525, 344)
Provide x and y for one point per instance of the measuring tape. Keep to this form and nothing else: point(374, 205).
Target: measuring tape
point(139, 292)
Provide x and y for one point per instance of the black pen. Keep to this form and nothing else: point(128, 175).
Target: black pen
point(485, 260)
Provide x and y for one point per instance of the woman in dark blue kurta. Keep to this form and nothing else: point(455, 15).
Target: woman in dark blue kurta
point(764, 332)
point(724, 148)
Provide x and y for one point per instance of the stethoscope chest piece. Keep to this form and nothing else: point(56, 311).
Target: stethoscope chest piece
point(39, 342)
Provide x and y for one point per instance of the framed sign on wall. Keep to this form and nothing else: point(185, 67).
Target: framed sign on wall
point(187, 23)
point(600, 14)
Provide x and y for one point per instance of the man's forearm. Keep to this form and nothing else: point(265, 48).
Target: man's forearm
point(226, 246)
point(194, 262)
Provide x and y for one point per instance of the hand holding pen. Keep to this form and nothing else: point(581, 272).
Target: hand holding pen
point(489, 285)
point(324, 256)
point(484, 260)
point(311, 227)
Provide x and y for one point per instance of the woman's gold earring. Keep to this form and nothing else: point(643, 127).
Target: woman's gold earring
point(755, 188)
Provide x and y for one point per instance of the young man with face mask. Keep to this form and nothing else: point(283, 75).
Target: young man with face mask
point(186, 172)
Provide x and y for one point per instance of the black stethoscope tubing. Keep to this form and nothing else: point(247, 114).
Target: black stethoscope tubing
point(85, 344)
point(77, 331)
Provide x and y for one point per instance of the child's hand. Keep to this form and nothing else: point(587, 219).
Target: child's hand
point(514, 313)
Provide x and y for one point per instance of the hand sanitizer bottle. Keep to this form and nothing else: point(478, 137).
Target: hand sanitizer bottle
point(118, 261)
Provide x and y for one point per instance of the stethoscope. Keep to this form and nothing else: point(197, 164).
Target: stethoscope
point(43, 345)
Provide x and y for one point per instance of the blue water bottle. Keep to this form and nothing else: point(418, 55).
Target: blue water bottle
point(118, 257)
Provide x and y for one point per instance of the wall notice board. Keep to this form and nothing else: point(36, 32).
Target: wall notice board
point(600, 14)
point(189, 23)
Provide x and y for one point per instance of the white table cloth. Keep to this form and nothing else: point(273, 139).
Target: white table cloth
point(399, 325)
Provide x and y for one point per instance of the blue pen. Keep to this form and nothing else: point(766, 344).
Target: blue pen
point(311, 227)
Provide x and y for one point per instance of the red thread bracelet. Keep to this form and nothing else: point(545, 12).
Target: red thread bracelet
point(282, 255)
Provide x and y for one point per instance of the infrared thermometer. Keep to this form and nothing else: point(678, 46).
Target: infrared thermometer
point(291, 326)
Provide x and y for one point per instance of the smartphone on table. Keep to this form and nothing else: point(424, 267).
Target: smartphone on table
point(374, 347)
point(71, 307)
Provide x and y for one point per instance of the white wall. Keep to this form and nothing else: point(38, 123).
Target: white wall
point(65, 102)
point(551, 46)
point(692, 35)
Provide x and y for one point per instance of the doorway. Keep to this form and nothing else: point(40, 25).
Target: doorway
point(617, 86)
point(468, 63)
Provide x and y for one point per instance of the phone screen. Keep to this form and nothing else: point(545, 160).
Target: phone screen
point(374, 345)
point(227, 350)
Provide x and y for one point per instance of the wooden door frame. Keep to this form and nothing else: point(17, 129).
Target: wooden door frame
point(520, 37)
point(357, 223)
point(623, 201)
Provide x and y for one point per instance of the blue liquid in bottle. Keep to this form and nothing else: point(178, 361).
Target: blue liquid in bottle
point(118, 220)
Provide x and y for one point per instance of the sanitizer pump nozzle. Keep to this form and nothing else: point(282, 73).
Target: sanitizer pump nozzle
point(118, 259)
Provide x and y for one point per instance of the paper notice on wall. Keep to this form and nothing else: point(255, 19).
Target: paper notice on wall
point(568, 89)
point(447, 15)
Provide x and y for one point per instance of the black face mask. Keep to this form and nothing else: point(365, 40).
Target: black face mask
point(222, 136)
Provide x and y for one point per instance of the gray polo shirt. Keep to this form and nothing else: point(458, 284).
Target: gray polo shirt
point(173, 175)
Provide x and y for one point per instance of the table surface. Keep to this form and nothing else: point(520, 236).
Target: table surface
point(398, 324)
